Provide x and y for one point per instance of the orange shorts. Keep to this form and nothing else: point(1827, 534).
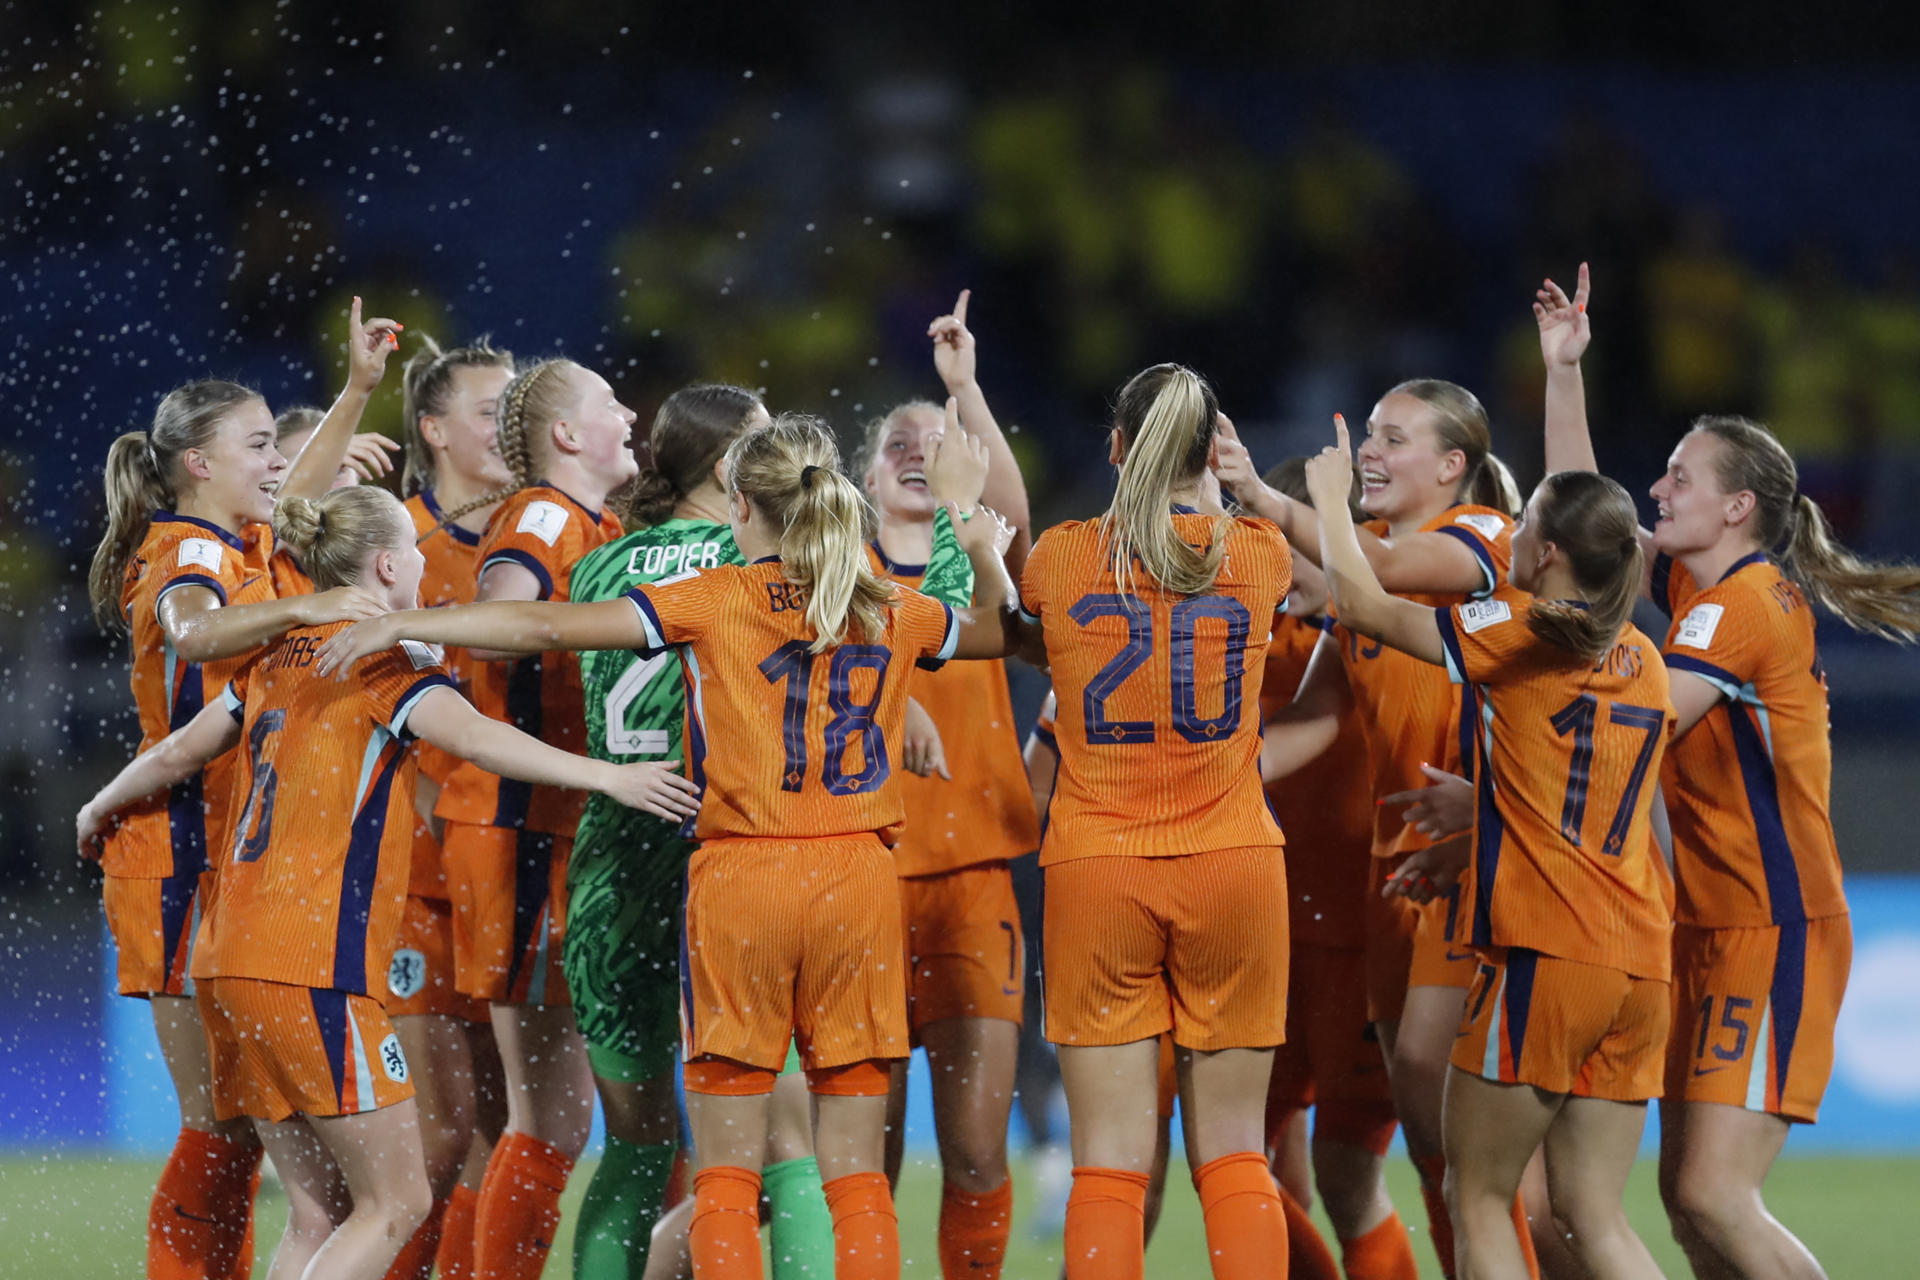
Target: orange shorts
point(153, 923)
point(509, 893)
point(420, 977)
point(1196, 944)
point(965, 956)
point(1390, 924)
point(1565, 1027)
point(793, 941)
point(1754, 1012)
point(1437, 960)
point(1331, 1053)
point(280, 1049)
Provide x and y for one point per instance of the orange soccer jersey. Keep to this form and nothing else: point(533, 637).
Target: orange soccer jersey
point(1565, 754)
point(1156, 726)
point(1323, 808)
point(176, 835)
point(1747, 787)
point(545, 532)
point(312, 891)
point(288, 574)
point(1409, 708)
point(984, 813)
point(802, 736)
point(451, 577)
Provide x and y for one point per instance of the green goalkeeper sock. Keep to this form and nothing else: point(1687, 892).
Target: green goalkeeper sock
point(622, 1204)
point(802, 1227)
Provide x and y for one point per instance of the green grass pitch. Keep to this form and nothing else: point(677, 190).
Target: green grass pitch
point(70, 1215)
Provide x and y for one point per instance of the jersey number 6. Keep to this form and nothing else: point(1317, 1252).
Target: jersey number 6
point(1184, 696)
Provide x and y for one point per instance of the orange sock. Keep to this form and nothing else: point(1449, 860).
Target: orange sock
point(1106, 1225)
point(724, 1236)
point(242, 1268)
point(519, 1209)
point(1246, 1223)
point(415, 1259)
point(454, 1258)
point(1433, 1174)
point(866, 1232)
point(1526, 1236)
point(1308, 1257)
point(1384, 1253)
point(201, 1218)
point(973, 1230)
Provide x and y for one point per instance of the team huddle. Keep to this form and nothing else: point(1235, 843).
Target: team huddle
point(1358, 794)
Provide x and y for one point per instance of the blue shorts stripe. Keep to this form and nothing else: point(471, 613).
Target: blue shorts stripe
point(330, 1015)
point(532, 867)
point(1787, 994)
point(1518, 998)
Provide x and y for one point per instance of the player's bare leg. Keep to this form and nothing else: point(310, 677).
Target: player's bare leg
point(1714, 1160)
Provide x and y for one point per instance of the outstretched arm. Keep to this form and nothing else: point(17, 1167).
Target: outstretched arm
point(175, 758)
point(334, 443)
point(1363, 603)
point(507, 626)
point(202, 629)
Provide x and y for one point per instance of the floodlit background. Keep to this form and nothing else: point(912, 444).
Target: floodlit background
point(1308, 204)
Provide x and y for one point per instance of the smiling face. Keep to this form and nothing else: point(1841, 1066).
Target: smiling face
point(601, 429)
point(1405, 471)
point(235, 475)
point(897, 477)
point(1695, 513)
point(464, 433)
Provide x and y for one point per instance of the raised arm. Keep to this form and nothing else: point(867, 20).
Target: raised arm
point(334, 443)
point(175, 758)
point(955, 357)
point(449, 722)
point(203, 630)
point(1420, 562)
point(986, 629)
point(1364, 605)
point(505, 626)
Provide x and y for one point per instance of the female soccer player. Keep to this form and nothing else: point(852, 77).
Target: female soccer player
point(1565, 706)
point(965, 961)
point(301, 930)
point(1762, 942)
point(182, 569)
point(1441, 505)
point(792, 913)
point(563, 435)
point(1331, 1061)
point(452, 457)
point(1166, 893)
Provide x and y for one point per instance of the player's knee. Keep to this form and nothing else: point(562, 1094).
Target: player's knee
point(975, 1163)
point(1703, 1201)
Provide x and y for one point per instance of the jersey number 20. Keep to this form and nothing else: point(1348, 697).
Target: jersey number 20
point(1184, 695)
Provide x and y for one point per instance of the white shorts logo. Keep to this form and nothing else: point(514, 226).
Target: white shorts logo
point(1483, 613)
point(393, 1059)
point(407, 973)
point(1697, 628)
point(544, 520)
point(204, 552)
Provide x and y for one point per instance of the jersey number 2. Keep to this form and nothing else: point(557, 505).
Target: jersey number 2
point(257, 817)
point(851, 722)
point(622, 741)
point(1184, 695)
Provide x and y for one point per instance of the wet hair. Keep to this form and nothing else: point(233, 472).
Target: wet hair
point(1289, 476)
point(143, 476)
point(1460, 422)
point(1593, 523)
point(534, 400)
point(691, 432)
point(1166, 416)
point(331, 536)
point(875, 432)
point(790, 471)
point(426, 386)
point(291, 422)
point(1881, 599)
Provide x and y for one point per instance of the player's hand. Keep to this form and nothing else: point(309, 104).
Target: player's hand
point(956, 464)
point(920, 749)
point(339, 604)
point(953, 350)
point(983, 529)
point(1330, 472)
point(92, 829)
point(1430, 872)
point(1232, 464)
point(1443, 809)
point(369, 343)
point(654, 788)
point(368, 453)
point(344, 648)
point(1565, 328)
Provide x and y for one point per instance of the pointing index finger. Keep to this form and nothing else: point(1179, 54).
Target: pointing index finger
point(1340, 435)
point(960, 306)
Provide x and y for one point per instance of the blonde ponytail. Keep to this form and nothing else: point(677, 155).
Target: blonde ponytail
point(333, 535)
point(142, 478)
point(1166, 417)
point(790, 471)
